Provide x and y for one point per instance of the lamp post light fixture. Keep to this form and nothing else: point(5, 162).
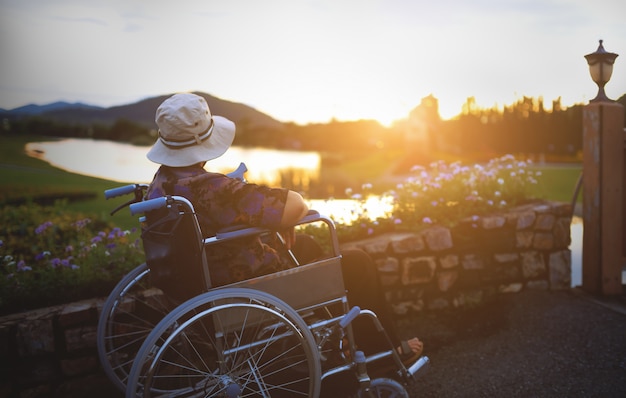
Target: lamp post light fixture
point(601, 68)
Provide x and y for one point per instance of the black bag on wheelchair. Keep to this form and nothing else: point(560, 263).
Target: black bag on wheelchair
point(174, 252)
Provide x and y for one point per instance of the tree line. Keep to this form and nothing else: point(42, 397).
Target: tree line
point(522, 127)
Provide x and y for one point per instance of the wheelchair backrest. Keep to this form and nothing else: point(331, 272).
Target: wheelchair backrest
point(173, 247)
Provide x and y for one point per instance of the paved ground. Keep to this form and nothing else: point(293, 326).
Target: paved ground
point(530, 344)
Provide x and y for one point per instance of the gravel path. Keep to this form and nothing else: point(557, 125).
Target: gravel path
point(529, 344)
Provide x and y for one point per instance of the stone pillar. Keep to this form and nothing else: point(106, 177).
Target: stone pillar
point(603, 197)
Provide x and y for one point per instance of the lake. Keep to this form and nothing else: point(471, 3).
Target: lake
point(127, 163)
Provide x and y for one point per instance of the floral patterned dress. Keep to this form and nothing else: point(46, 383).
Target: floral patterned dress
point(220, 202)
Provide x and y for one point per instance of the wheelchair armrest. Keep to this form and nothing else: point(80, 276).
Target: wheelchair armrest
point(241, 231)
point(238, 231)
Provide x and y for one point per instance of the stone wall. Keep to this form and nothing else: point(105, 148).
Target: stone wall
point(439, 267)
point(52, 352)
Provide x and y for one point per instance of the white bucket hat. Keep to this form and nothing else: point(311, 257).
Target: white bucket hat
point(188, 133)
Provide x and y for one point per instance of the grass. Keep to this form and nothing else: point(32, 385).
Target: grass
point(557, 183)
point(25, 178)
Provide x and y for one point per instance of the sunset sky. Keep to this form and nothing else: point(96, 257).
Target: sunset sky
point(308, 61)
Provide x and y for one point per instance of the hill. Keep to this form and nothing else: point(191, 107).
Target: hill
point(141, 112)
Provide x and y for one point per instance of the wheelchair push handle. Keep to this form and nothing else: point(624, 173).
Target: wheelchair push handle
point(349, 317)
point(119, 191)
point(148, 205)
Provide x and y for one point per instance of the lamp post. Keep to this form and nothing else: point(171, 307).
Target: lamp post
point(604, 179)
point(601, 69)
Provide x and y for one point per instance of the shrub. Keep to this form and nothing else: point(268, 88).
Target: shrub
point(443, 193)
point(50, 256)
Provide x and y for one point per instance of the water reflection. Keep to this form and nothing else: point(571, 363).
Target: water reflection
point(128, 163)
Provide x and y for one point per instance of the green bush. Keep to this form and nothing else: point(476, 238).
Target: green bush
point(50, 256)
point(444, 193)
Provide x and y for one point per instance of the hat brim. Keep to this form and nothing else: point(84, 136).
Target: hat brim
point(217, 144)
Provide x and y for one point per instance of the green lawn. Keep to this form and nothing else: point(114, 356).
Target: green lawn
point(558, 182)
point(22, 177)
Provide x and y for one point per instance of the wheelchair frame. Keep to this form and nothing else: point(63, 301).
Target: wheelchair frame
point(234, 340)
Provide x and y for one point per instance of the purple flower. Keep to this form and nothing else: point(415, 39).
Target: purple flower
point(96, 239)
point(42, 228)
point(111, 246)
point(427, 220)
point(115, 232)
point(21, 266)
point(55, 262)
point(67, 262)
point(69, 249)
point(80, 224)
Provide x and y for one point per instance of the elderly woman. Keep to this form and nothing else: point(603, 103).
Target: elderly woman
point(189, 136)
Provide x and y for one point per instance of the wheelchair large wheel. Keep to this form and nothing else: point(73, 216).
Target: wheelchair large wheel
point(385, 388)
point(228, 342)
point(132, 310)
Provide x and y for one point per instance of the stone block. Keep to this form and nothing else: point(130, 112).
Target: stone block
point(502, 258)
point(539, 284)
point(80, 338)
point(542, 208)
point(560, 264)
point(438, 238)
point(562, 233)
point(563, 209)
point(472, 261)
point(404, 307)
point(543, 241)
point(388, 271)
point(35, 337)
point(373, 246)
point(418, 270)
point(449, 261)
point(545, 222)
point(439, 303)
point(525, 219)
point(502, 273)
point(42, 391)
point(493, 222)
point(533, 265)
point(446, 280)
point(75, 313)
point(468, 298)
point(407, 244)
point(524, 239)
point(511, 288)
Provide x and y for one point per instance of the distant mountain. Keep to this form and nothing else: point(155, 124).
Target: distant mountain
point(142, 112)
point(33, 109)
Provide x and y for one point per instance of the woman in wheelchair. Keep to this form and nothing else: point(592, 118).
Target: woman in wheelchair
point(189, 136)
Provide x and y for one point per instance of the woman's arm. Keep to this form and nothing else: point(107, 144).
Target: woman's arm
point(295, 209)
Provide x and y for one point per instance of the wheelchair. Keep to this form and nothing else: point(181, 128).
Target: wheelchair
point(166, 331)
